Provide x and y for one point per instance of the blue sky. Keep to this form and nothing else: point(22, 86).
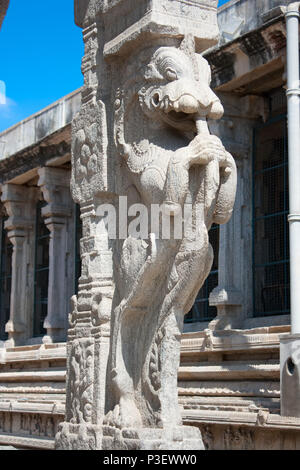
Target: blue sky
point(40, 56)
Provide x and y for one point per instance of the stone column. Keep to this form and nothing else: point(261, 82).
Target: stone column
point(89, 321)
point(227, 296)
point(55, 187)
point(20, 203)
point(233, 295)
point(141, 136)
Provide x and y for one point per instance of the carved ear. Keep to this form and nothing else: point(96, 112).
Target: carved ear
point(151, 73)
point(188, 44)
point(188, 47)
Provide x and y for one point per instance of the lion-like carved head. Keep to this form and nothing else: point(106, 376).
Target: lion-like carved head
point(176, 89)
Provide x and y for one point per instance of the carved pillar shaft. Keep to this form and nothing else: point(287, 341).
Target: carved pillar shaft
point(141, 134)
point(54, 184)
point(56, 317)
point(227, 296)
point(16, 325)
point(88, 336)
point(233, 295)
point(19, 202)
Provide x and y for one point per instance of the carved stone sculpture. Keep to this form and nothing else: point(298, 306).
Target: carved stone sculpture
point(146, 141)
point(169, 159)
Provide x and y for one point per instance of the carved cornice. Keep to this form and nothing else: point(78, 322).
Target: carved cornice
point(57, 144)
point(248, 52)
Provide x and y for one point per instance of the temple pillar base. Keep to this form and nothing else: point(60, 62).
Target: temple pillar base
point(82, 436)
point(179, 438)
point(55, 335)
point(92, 437)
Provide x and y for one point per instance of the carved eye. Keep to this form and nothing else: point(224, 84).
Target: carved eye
point(155, 100)
point(171, 75)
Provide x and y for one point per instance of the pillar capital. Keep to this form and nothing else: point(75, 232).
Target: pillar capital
point(126, 24)
point(19, 202)
point(55, 187)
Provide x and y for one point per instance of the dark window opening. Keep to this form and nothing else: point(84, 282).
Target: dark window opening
point(201, 310)
point(6, 252)
point(271, 294)
point(41, 272)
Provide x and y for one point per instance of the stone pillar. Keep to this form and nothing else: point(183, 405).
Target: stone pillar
point(227, 296)
point(233, 295)
point(58, 216)
point(20, 203)
point(140, 139)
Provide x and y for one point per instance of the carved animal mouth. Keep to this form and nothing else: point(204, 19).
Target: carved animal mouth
point(180, 120)
point(180, 116)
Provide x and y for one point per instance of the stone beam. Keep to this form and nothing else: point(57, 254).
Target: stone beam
point(253, 62)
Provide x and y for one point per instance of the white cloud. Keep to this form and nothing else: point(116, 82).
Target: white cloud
point(2, 93)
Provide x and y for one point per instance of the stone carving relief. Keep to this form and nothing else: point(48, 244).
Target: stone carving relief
point(236, 438)
point(29, 424)
point(169, 158)
point(141, 133)
point(81, 380)
point(90, 140)
point(207, 436)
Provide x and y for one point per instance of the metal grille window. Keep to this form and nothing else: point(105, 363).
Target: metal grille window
point(78, 236)
point(201, 310)
point(6, 251)
point(270, 226)
point(42, 238)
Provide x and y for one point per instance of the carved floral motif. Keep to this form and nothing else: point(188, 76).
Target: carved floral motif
point(81, 380)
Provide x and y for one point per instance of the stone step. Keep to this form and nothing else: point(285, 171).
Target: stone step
point(33, 376)
point(230, 371)
point(235, 404)
point(26, 442)
point(265, 340)
point(33, 397)
point(32, 388)
point(262, 418)
point(27, 406)
point(229, 376)
point(245, 388)
point(44, 352)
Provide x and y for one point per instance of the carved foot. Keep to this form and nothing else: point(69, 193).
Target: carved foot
point(124, 415)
